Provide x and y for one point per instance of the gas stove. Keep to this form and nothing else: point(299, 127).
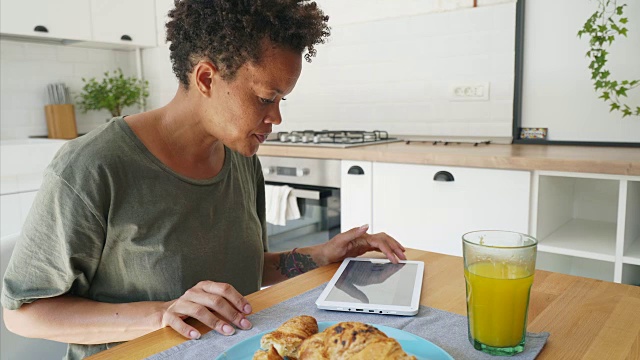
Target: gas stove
point(331, 138)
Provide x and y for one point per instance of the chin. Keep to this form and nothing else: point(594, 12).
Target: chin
point(247, 150)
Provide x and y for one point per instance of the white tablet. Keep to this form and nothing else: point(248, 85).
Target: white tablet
point(374, 286)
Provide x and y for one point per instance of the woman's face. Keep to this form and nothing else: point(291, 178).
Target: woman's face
point(241, 112)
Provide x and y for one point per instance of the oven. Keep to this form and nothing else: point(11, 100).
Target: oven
point(316, 186)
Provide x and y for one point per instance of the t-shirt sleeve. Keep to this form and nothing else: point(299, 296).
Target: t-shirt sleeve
point(261, 204)
point(59, 249)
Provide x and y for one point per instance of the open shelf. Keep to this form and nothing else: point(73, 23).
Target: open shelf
point(578, 266)
point(631, 274)
point(590, 239)
point(632, 254)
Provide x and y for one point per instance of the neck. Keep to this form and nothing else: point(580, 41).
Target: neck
point(182, 131)
point(176, 134)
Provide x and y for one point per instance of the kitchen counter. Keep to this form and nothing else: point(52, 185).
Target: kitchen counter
point(586, 159)
point(587, 319)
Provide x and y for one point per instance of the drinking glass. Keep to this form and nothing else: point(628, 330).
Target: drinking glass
point(498, 270)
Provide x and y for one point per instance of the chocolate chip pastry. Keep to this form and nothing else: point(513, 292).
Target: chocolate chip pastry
point(354, 341)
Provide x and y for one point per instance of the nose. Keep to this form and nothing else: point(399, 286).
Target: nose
point(274, 116)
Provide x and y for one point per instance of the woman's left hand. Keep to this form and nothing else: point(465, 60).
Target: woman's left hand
point(356, 242)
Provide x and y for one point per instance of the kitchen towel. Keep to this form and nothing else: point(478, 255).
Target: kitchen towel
point(281, 204)
point(444, 329)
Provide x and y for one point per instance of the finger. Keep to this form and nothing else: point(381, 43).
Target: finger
point(221, 306)
point(175, 322)
point(399, 253)
point(204, 315)
point(349, 235)
point(384, 248)
point(395, 246)
point(229, 293)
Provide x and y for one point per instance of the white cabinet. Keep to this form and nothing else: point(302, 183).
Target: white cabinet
point(355, 194)
point(124, 22)
point(60, 19)
point(430, 207)
point(588, 224)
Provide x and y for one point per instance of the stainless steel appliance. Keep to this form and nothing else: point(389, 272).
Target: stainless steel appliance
point(316, 184)
point(331, 138)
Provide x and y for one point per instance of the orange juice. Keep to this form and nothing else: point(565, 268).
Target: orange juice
point(497, 301)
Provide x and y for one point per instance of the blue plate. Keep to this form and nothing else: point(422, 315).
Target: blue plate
point(411, 344)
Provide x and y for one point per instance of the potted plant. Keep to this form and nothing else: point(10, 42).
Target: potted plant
point(114, 93)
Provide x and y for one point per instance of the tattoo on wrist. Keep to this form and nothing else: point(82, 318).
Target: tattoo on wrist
point(293, 263)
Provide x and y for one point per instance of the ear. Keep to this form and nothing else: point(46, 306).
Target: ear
point(203, 75)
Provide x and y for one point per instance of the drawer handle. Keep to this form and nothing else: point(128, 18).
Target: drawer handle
point(355, 170)
point(40, 28)
point(126, 38)
point(443, 176)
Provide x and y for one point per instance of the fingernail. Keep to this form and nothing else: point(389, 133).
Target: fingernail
point(194, 334)
point(245, 324)
point(227, 329)
point(247, 309)
point(365, 226)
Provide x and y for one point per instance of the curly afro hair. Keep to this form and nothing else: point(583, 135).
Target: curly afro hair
point(230, 32)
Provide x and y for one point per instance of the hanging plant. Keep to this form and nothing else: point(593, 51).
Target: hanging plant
point(602, 28)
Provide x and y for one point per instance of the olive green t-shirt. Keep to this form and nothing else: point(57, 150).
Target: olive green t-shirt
point(112, 223)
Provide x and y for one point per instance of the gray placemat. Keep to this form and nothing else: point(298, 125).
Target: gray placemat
point(445, 329)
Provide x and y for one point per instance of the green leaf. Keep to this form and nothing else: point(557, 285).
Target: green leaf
point(614, 106)
point(621, 92)
point(619, 10)
point(623, 31)
point(624, 20)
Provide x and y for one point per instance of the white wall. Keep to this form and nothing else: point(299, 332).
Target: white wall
point(25, 70)
point(557, 90)
point(389, 66)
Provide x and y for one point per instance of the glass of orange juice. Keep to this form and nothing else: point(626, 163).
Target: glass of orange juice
point(498, 270)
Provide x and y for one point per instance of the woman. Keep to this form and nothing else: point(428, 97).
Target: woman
point(160, 216)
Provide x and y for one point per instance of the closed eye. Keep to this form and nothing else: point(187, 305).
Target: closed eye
point(268, 101)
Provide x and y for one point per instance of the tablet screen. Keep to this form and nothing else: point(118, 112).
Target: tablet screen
point(366, 282)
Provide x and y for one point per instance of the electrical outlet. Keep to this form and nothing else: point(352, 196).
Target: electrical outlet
point(469, 91)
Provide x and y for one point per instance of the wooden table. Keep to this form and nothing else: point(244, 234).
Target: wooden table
point(587, 319)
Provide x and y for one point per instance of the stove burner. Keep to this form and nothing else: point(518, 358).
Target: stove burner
point(446, 142)
point(331, 137)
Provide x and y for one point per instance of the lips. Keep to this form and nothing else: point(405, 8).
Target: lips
point(261, 137)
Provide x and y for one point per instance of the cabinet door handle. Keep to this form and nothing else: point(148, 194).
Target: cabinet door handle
point(126, 37)
point(355, 170)
point(40, 28)
point(443, 176)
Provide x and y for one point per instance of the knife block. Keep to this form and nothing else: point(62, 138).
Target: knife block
point(61, 121)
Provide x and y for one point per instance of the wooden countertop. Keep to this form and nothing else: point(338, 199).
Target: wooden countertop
point(587, 159)
point(587, 319)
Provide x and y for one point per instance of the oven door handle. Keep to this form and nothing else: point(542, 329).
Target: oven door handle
point(306, 194)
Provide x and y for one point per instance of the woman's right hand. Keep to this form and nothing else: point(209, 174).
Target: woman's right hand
point(213, 304)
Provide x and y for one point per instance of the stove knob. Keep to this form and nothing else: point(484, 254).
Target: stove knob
point(293, 138)
point(283, 137)
point(305, 139)
point(302, 172)
point(268, 170)
point(316, 138)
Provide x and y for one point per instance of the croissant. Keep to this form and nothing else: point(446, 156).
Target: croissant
point(287, 338)
point(352, 340)
point(270, 354)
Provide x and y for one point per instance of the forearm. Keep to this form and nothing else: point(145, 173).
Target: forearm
point(77, 320)
point(285, 265)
